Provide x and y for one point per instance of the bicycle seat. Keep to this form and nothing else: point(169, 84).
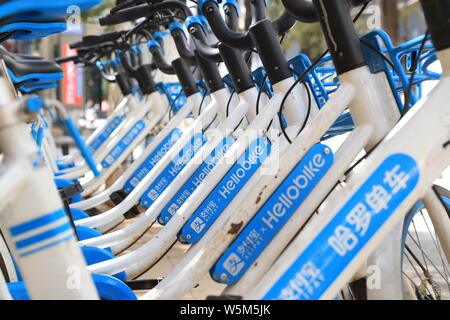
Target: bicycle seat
point(26, 20)
point(27, 30)
point(35, 87)
point(18, 56)
point(32, 70)
point(25, 10)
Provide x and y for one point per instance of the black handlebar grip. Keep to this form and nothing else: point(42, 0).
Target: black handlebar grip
point(93, 40)
point(125, 15)
point(67, 59)
point(76, 45)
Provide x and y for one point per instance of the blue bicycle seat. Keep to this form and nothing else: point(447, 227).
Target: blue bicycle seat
point(24, 19)
point(26, 71)
point(26, 10)
point(35, 87)
point(32, 29)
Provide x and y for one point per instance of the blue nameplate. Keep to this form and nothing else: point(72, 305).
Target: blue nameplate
point(225, 191)
point(152, 159)
point(173, 169)
point(105, 133)
point(195, 180)
point(326, 257)
point(123, 144)
point(272, 216)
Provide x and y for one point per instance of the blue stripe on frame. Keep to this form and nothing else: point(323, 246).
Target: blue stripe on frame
point(51, 244)
point(43, 236)
point(37, 223)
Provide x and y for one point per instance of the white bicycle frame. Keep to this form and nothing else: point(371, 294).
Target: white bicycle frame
point(120, 110)
point(216, 240)
point(122, 238)
point(152, 119)
point(37, 231)
point(137, 111)
point(150, 112)
point(134, 263)
point(143, 185)
point(119, 183)
point(407, 137)
point(261, 121)
point(127, 104)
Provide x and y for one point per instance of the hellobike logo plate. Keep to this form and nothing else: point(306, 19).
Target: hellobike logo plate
point(272, 216)
point(225, 191)
point(120, 147)
point(173, 169)
point(152, 159)
point(195, 180)
point(105, 133)
point(326, 257)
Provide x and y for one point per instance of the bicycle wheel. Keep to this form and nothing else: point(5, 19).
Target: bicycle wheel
point(425, 267)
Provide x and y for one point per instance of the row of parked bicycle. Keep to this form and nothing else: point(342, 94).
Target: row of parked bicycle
point(239, 163)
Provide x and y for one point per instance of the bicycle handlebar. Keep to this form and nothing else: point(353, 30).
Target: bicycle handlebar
point(158, 57)
point(284, 22)
point(62, 60)
point(211, 11)
point(236, 39)
point(259, 12)
point(76, 45)
point(180, 39)
point(144, 10)
point(125, 15)
point(95, 40)
point(231, 13)
point(203, 49)
point(301, 10)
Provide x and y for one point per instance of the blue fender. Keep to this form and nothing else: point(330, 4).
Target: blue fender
point(85, 233)
point(109, 288)
point(64, 183)
point(95, 255)
point(78, 214)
